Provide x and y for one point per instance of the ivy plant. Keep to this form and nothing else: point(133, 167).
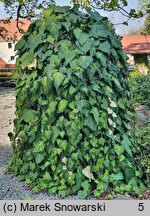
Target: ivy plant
point(73, 109)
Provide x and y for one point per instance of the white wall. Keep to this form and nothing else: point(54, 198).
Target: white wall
point(131, 58)
point(6, 53)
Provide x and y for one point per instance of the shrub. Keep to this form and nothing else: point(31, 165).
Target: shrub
point(143, 155)
point(72, 127)
point(139, 84)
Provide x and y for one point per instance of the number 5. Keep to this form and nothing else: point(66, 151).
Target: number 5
point(141, 206)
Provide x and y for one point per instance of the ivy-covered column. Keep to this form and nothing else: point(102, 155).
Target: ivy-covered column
point(72, 128)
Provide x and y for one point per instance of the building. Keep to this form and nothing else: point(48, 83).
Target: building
point(9, 35)
point(137, 47)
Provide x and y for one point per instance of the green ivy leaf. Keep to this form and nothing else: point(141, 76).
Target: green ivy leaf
point(72, 90)
point(51, 108)
point(55, 60)
point(80, 104)
point(117, 83)
point(27, 58)
point(53, 28)
point(102, 58)
point(90, 122)
point(70, 56)
point(20, 44)
point(82, 194)
point(63, 144)
point(39, 147)
point(58, 79)
point(99, 31)
point(87, 172)
point(55, 133)
point(119, 149)
point(105, 47)
point(29, 116)
point(85, 61)
point(95, 15)
point(32, 176)
point(119, 176)
point(62, 106)
point(85, 185)
point(39, 158)
point(77, 32)
point(121, 103)
point(95, 113)
point(46, 176)
point(50, 39)
point(83, 38)
point(126, 143)
point(47, 85)
point(33, 41)
point(129, 174)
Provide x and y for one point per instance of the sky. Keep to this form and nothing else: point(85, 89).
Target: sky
point(114, 17)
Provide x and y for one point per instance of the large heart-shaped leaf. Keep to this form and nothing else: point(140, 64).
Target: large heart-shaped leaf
point(105, 47)
point(85, 61)
point(95, 113)
point(58, 79)
point(119, 149)
point(62, 106)
point(27, 58)
point(119, 176)
point(39, 158)
point(87, 172)
point(29, 115)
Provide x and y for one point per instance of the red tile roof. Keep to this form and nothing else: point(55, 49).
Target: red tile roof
point(2, 63)
point(9, 31)
point(134, 44)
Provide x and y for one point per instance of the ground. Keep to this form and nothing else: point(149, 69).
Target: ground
point(10, 188)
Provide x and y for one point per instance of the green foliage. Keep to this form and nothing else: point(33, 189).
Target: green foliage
point(32, 8)
point(139, 84)
point(73, 108)
point(143, 155)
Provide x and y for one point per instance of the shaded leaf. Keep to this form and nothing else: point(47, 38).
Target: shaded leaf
point(70, 56)
point(39, 158)
point(129, 174)
point(83, 38)
point(80, 104)
point(33, 41)
point(90, 122)
point(85, 61)
point(105, 47)
point(77, 32)
point(27, 58)
point(58, 79)
point(47, 84)
point(20, 44)
point(95, 113)
point(126, 143)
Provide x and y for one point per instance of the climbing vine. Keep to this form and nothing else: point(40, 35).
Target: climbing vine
point(73, 109)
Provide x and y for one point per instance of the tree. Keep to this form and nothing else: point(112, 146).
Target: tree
point(27, 8)
point(146, 26)
point(143, 5)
